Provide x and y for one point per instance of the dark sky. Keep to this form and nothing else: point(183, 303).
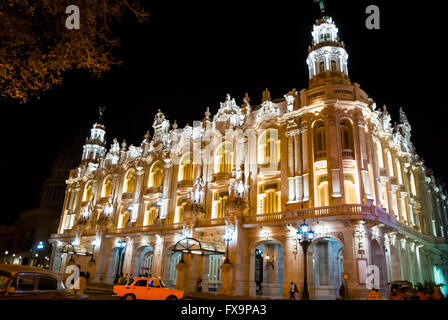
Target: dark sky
point(192, 54)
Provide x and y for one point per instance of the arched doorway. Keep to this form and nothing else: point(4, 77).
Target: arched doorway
point(170, 273)
point(143, 260)
point(267, 269)
point(325, 268)
point(379, 260)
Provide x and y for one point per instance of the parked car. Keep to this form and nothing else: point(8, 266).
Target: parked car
point(147, 289)
point(19, 282)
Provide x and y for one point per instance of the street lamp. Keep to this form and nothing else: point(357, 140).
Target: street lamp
point(94, 244)
point(227, 238)
point(305, 236)
point(40, 246)
point(6, 255)
point(121, 246)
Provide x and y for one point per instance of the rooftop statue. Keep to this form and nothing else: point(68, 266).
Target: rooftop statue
point(321, 5)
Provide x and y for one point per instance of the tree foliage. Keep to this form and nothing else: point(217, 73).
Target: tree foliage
point(36, 48)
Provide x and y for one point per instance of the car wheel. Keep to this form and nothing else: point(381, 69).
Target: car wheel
point(129, 297)
point(171, 297)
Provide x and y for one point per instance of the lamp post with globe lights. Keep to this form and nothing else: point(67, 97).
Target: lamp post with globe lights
point(121, 246)
point(227, 238)
point(305, 236)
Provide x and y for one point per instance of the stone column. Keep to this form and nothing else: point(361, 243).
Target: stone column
point(305, 161)
point(298, 167)
point(291, 171)
point(103, 253)
point(157, 269)
point(239, 255)
point(334, 160)
point(226, 272)
point(167, 172)
point(182, 273)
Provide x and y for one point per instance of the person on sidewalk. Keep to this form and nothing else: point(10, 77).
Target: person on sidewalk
point(292, 291)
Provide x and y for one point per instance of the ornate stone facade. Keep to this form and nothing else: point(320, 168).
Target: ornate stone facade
point(326, 154)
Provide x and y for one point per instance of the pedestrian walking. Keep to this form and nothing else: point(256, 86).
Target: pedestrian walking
point(341, 293)
point(296, 292)
point(199, 285)
point(292, 291)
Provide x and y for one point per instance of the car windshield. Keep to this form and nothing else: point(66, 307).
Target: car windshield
point(162, 284)
point(4, 280)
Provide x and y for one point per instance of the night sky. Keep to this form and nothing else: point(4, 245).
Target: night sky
point(192, 54)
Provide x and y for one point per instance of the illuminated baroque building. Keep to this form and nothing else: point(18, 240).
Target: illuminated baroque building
point(326, 154)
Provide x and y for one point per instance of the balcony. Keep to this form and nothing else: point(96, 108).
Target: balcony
point(185, 184)
point(221, 176)
point(152, 190)
point(320, 155)
point(348, 154)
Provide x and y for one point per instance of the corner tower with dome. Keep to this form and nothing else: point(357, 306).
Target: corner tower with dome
point(326, 155)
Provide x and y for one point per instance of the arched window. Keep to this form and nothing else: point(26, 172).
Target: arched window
point(269, 147)
point(129, 182)
point(412, 183)
point(219, 203)
point(333, 66)
point(319, 142)
point(322, 193)
point(186, 168)
point(379, 154)
point(224, 158)
point(269, 198)
point(321, 67)
point(152, 212)
point(155, 177)
point(347, 139)
point(349, 189)
point(88, 193)
point(107, 187)
point(179, 215)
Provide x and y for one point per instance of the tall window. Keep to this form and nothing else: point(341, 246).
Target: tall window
point(322, 191)
point(347, 139)
point(219, 203)
point(186, 168)
point(321, 67)
point(269, 198)
point(88, 192)
point(319, 142)
point(333, 65)
point(179, 217)
point(349, 188)
point(155, 177)
point(107, 188)
point(129, 182)
point(224, 158)
point(269, 147)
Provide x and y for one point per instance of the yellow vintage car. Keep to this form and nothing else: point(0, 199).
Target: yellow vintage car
point(147, 289)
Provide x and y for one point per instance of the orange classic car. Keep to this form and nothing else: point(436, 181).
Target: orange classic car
point(147, 289)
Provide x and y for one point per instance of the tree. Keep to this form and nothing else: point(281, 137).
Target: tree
point(36, 47)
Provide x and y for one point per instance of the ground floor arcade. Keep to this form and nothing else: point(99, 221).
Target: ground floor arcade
point(264, 259)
